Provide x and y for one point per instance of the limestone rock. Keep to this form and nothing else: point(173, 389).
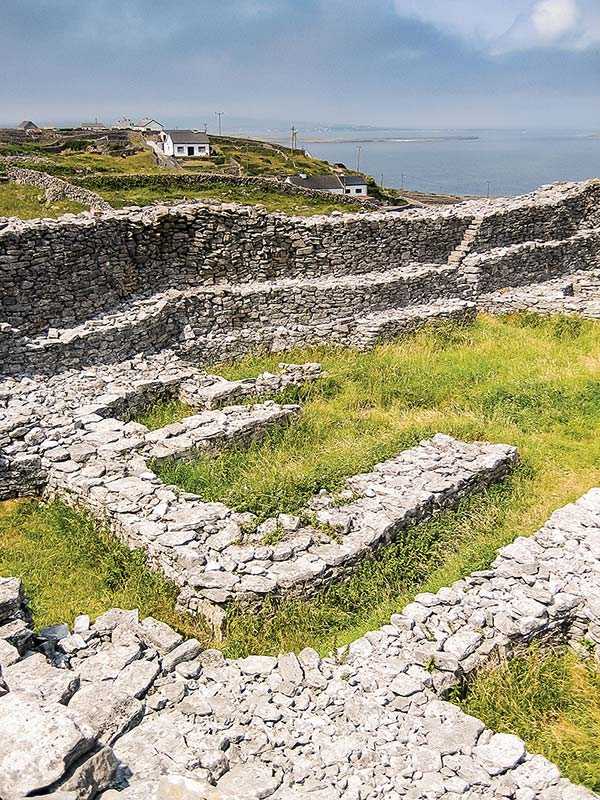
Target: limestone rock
point(39, 743)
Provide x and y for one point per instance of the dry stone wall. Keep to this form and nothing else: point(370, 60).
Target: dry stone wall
point(57, 189)
point(55, 274)
point(202, 180)
point(99, 318)
point(214, 281)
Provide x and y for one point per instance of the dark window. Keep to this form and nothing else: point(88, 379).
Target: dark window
point(348, 191)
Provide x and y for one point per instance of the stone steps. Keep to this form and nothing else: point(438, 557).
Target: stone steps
point(456, 256)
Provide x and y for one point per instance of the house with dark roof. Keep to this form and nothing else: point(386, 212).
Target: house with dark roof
point(185, 144)
point(354, 185)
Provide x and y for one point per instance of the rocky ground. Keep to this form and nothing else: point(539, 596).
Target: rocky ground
point(125, 708)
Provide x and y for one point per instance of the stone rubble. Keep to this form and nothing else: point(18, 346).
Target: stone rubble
point(101, 315)
point(151, 717)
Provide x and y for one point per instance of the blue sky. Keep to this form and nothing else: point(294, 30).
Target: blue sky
point(413, 63)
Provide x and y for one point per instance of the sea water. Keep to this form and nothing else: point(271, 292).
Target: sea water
point(466, 162)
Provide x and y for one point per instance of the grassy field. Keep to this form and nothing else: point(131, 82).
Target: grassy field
point(22, 201)
point(252, 158)
point(551, 699)
point(75, 163)
point(524, 381)
point(248, 195)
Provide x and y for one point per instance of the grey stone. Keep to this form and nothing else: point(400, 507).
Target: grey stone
point(245, 782)
point(504, 751)
point(108, 711)
point(160, 635)
point(36, 677)
point(186, 651)
point(39, 743)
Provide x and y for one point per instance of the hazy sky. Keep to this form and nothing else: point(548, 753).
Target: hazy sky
point(410, 63)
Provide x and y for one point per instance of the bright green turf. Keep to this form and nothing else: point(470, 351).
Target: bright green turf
point(17, 200)
point(551, 700)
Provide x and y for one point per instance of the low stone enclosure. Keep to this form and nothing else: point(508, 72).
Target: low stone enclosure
point(104, 315)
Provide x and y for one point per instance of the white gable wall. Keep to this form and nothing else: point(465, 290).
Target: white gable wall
point(184, 150)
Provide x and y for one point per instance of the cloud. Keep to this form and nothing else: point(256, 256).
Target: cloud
point(503, 26)
point(477, 21)
point(552, 19)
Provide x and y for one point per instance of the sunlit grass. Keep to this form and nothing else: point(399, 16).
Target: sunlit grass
point(18, 200)
point(225, 193)
point(551, 700)
point(161, 414)
point(523, 381)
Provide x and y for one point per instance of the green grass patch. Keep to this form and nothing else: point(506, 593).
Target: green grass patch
point(225, 193)
point(524, 381)
point(161, 414)
point(551, 700)
point(17, 200)
point(71, 565)
point(72, 163)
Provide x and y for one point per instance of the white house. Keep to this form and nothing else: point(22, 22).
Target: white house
point(354, 185)
point(185, 144)
point(148, 124)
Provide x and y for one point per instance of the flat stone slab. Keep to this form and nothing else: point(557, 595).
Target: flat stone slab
point(39, 743)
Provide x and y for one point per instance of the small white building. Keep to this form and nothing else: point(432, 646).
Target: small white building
point(148, 124)
point(353, 185)
point(185, 144)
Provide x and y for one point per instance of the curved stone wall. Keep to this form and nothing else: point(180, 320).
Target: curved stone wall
point(215, 280)
point(57, 189)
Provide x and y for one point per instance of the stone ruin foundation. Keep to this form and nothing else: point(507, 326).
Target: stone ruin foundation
point(105, 314)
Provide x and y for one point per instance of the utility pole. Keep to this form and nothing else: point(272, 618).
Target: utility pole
point(358, 152)
point(402, 182)
point(381, 182)
point(489, 186)
point(219, 114)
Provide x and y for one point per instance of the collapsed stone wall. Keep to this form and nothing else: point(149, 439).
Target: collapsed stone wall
point(126, 703)
point(55, 188)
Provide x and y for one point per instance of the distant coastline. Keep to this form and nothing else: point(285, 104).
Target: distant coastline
point(398, 139)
